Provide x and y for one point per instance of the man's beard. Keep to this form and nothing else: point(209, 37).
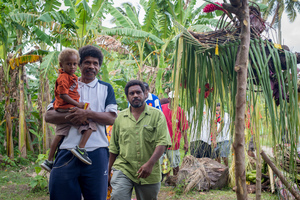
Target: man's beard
point(137, 105)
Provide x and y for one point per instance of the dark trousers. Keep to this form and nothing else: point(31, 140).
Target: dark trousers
point(70, 177)
point(200, 149)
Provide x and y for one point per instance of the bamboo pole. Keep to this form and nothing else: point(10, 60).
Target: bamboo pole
point(280, 175)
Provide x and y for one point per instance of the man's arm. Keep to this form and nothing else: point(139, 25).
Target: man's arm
point(55, 117)
point(78, 116)
point(146, 169)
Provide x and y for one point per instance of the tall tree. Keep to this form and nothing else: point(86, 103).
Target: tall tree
point(241, 9)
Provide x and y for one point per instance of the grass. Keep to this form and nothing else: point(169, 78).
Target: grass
point(224, 194)
point(14, 184)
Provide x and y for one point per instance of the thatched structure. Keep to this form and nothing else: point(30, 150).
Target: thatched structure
point(210, 57)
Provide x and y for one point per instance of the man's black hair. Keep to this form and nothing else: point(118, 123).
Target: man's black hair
point(132, 83)
point(218, 104)
point(146, 86)
point(92, 51)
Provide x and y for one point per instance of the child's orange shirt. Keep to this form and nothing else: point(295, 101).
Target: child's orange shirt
point(65, 84)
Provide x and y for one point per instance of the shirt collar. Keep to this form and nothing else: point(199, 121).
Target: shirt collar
point(145, 112)
point(91, 84)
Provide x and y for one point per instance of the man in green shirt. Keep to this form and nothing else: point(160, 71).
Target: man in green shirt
point(139, 138)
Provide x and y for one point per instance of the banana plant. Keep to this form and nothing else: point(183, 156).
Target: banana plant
point(142, 42)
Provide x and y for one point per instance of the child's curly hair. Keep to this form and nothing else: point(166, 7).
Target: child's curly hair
point(66, 53)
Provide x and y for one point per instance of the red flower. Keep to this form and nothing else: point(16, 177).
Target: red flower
point(207, 90)
point(212, 7)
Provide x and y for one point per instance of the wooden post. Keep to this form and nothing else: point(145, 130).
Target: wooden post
point(280, 176)
point(271, 175)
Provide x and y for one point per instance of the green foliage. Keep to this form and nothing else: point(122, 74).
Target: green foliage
point(7, 162)
point(39, 182)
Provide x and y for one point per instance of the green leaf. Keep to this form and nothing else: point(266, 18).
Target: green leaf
point(121, 20)
point(52, 5)
point(120, 82)
point(98, 10)
point(138, 34)
point(42, 36)
point(46, 17)
point(72, 8)
point(38, 170)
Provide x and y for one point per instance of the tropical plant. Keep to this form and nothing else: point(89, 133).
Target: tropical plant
point(276, 8)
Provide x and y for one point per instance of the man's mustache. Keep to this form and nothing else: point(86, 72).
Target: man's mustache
point(136, 99)
point(90, 70)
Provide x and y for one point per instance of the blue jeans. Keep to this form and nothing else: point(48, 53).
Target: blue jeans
point(70, 177)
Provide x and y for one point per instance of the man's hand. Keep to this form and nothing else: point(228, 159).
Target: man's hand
point(145, 170)
point(77, 116)
point(109, 178)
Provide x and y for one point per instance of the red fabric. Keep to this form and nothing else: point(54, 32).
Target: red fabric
point(181, 125)
point(65, 84)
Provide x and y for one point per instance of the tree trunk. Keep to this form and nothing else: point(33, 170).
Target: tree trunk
point(9, 137)
point(22, 129)
point(28, 114)
point(241, 9)
point(44, 101)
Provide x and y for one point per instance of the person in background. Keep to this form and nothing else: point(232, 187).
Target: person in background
point(181, 127)
point(216, 127)
point(164, 101)
point(200, 139)
point(151, 99)
point(139, 138)
point(223, 140)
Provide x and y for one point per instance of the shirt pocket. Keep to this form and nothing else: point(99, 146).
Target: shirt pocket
point(149, 133)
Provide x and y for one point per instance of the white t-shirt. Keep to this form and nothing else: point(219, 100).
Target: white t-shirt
point(101, 97)
point(225, 133)
point(203, 133)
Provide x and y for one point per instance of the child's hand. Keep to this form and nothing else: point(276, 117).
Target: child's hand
point(81, 105)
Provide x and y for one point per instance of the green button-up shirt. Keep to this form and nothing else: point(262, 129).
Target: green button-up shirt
point(134, 141)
